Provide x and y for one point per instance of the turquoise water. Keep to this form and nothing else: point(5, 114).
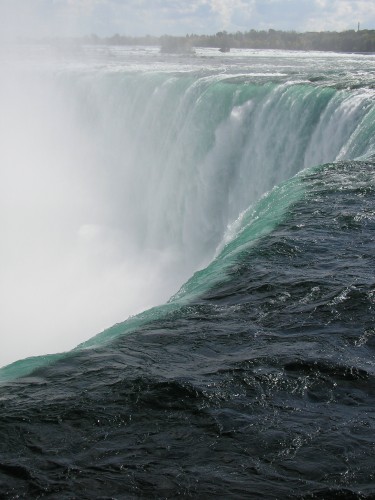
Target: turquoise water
point(218, 211)
point(125, 171)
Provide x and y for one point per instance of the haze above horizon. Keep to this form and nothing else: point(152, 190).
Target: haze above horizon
point(46, 18)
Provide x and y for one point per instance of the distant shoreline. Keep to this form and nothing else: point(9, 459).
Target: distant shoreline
point(359, 42)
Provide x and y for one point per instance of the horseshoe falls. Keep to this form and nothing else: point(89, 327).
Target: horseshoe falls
point(187, 274)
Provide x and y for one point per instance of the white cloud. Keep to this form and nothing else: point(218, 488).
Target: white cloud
point(338, 15)
point(176, 17)
point(225, 9)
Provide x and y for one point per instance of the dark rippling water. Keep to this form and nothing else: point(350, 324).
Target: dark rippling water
point(262, 387)
point(123, 173)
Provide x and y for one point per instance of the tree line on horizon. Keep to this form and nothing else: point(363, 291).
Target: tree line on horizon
point(344, 41)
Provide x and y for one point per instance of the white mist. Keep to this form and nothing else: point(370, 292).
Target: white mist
point(71, 264)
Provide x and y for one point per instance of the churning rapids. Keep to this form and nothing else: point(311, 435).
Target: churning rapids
point(236, 190)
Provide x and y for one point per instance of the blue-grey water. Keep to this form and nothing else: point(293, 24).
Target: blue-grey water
point(236, 195)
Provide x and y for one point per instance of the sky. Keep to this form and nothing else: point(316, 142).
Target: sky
point(42, 18)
